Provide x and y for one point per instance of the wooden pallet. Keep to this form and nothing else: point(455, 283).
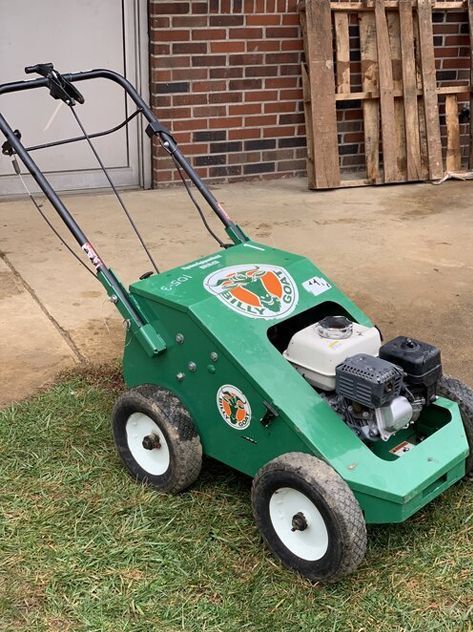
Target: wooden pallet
point(399, 93)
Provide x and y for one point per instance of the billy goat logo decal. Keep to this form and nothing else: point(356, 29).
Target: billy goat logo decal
point(254, 290)
point(234, 407)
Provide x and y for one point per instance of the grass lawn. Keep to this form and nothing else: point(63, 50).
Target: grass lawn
point(83, 547)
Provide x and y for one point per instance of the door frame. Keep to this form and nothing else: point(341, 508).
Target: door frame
point(136, 68)
point(142, 73)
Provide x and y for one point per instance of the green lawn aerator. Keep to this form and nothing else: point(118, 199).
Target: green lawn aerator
point(253, 357)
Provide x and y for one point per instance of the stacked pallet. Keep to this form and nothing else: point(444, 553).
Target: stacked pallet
point(399, 94)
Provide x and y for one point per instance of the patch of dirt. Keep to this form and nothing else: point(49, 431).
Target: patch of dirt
point(340, 220)
point(263, 230)
point(91, 294)
point(107, 375)
point(9, 286)
point(101, 339)
point(40, 375)
point(426, 202)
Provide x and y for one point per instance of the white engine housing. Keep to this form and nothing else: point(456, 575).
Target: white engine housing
point(315, 356)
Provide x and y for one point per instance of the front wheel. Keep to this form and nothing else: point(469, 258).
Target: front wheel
point(156, 439)
point(453, 389)
point(309, 517)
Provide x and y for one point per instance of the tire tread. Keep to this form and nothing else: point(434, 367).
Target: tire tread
point(185, 441)
point(452, 388)
point(336, 492)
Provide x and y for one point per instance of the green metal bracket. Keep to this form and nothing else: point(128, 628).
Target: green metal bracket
point(152, 343)
point(237, 235)
point(150, 340)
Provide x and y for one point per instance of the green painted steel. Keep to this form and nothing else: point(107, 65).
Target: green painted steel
point(213, 316)
point(149, 339)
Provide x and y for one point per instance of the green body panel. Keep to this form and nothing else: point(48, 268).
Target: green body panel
point(177, 303)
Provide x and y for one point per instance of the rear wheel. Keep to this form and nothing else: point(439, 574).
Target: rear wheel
point(309, 517)
point(453, 389)
point(156, 439)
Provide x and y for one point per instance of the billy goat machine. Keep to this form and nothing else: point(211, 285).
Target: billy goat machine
point(252, 356)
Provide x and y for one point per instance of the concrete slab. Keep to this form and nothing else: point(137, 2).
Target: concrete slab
point(32, 350)
point(402, 252)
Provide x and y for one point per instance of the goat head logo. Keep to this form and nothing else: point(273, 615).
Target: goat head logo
point(233, 407)
point(255, 290)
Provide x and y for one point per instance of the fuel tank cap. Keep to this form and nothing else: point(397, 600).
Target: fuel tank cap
point(335, 327)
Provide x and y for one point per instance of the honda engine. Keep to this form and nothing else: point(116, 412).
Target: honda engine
point(378, 389)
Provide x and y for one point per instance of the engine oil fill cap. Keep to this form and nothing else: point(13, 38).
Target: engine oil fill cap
point(335, 327)
point(408, 343)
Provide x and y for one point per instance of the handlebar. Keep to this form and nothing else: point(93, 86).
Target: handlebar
point(20, 86)
point(154, 128)
point(59, 87)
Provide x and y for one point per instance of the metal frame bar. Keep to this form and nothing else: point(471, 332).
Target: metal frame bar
point(118, 294)
point(168, 142)
point(75, 139)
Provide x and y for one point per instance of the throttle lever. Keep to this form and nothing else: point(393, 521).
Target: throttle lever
point(59, 87)
point(7, 149)
point(40, 69)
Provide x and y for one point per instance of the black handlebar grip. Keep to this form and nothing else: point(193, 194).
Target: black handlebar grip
point(41, 69)
point(31, 69)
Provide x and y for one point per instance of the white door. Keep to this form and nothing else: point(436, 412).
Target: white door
point(76, 35)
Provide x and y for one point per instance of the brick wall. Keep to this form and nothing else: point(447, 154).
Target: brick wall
point(452, 53)
point(225, 77)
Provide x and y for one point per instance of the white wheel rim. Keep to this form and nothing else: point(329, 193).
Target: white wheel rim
point(154, 461)
point(311, 542)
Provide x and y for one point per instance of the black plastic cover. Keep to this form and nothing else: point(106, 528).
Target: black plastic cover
point(368, 380)
point(420, 361)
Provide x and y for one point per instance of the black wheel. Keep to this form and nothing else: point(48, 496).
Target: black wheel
point(309, 517)
point(453, 389)
point(156, 439)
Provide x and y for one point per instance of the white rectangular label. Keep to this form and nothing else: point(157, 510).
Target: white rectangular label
point(316, 285)
point(200, 263)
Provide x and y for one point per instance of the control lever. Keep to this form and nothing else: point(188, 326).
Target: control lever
point(7, 149)
point(59, 87)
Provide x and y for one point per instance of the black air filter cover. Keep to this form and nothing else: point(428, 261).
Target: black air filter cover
point(369, 381)
point(420, 361)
